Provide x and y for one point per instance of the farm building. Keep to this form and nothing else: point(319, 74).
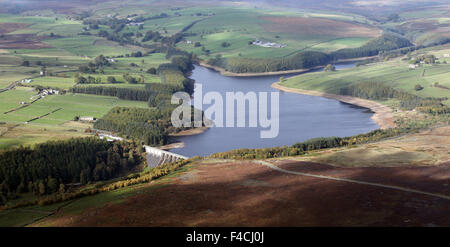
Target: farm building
point(267, 44)
point(26, 81)
point(49, 92)
point(135, 23)
point(87, 119)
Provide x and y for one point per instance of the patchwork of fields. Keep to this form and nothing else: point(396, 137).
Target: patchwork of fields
point(54, 45)
point(56, 125)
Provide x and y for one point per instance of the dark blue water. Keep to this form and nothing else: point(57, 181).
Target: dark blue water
point(301, 117)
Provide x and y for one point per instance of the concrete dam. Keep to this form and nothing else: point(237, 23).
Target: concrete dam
point(157, 157)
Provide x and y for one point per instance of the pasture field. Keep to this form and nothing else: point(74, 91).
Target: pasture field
point(7, 79)
point(89, 46)
point(394, 73)
point(15, 135)
point(12, 98)
point(57, 125)
point(53, 82)
point(152, 60)
point(239, 26)
point(71, 105)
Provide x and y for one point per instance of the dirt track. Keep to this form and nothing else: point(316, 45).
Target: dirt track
point(250, 194)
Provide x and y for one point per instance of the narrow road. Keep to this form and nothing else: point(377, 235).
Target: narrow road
point(274, 167)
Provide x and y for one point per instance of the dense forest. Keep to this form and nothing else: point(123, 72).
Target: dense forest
point(151, 126)
point(301, 60)
point(146, 125)
point(151, 90)
point(50, 166)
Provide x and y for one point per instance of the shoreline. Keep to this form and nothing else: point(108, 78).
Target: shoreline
point(382, 114)
point(223, 72)
point(189, 132)
point(356, 59)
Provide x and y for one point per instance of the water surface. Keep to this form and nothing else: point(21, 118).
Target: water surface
point(301, 117)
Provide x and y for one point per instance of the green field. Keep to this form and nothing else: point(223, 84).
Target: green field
point(57, 125)
point(395, 73)
point(72, 105)
point(238, 26)
point(53, 82)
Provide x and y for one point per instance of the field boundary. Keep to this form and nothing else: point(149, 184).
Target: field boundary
point(36, 118)
point(21, 107)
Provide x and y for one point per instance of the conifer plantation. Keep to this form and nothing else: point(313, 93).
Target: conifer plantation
point(48, 167)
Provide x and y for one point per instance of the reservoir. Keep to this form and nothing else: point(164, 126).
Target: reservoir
point(301, 117)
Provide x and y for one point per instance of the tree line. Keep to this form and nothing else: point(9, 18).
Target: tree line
point(301, 60)
point(49, 167)
point(132, 179)
point(380, 91)
point(309, 145)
